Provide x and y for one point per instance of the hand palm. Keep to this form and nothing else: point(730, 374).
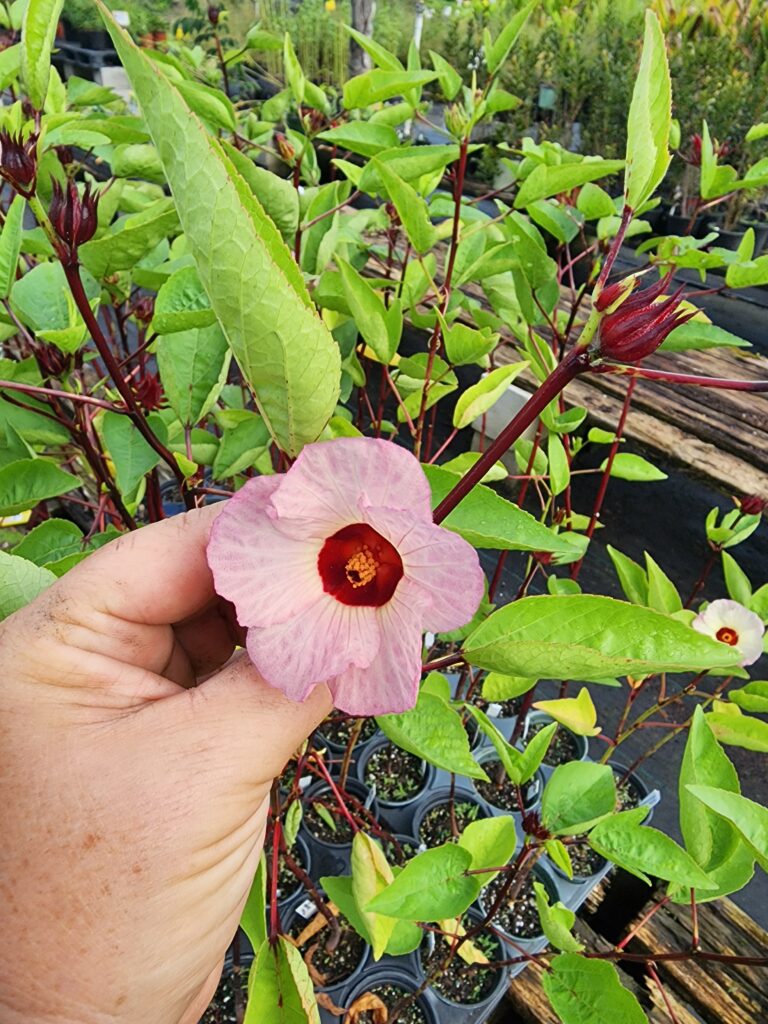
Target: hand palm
point(137, 801)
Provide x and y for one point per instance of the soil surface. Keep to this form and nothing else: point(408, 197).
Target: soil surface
point(517, 917)
point(435, 827)
point(317, 824)
point(338, 728)
point(457, 980)
point(329, 966)
point(584, 860)
point(287, 882)
point(391, 995)
point(501, 792)
point(397, 775)
point(229, 997)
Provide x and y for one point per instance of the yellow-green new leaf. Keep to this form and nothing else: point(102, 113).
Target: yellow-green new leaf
point(280, 989)
point(38, 31)
point(371, 874)
point(284, 350)
point(576, 713)
point(479, 398)
point(411, 209)
point(650, 118)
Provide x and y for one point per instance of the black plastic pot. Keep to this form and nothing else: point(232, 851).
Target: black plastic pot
point(224, 996)
point(338, 749)
point(442, 795)
point(580, 743)
point(732, 238)
point(397, 814)
point(304, 859)
point(300, 916)
point(645, 795)
point(390, 975)
point(495, 990)
point(532, 789)
point(537, 875)
point(677, 224)
point(332, 858)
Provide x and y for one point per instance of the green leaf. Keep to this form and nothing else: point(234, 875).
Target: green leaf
point(292, 822)
point(130, 239)
point(465, 344)
point(241, 444)
point(10, 245)
point(662, 593)
point(368, 311)
point(535, 752)
point(577, 795)
point(551, 179)
point(711, 840)
point(280, 989)
point(748, 818)
point(26, 482)
point(499, 687)
point(509, 756)
point(650, 118)
point(491, 842)
point(752, 697)
point(294, 75)
point(557, 852)
point(632, 577)
point(38, 31)
point(193, 367)
point(696, 336)
point(506, 39)
point(212, 105)
point(594, 202)
point(411, 208)
point(371, 874)
point(381, 56)
point(410, 163)
point(646, 851)
point(736, 730)
point(131, 453)
point(583, 636)
point(282, 346)
point(576, 713)
point(556, 921)
point(448, 77)
point(431, 887)
point(182, 304)
point(487, 520)
point(277, 195)
point(584, 991)
point(254, 917)
point(433, 731)
point(50, 541)
point(42, 299)
point(20, 582)
point(461, 464)
point(361, 137)
point(480, 397)
point(736, 580)
point(559, 470)
point(633, 467)
point(339, 890)
point(377, 85)
point(10, 64)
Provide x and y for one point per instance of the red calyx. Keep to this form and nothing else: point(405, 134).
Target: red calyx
point(640, 324)
point(753, 505)
point(74, 217)
point(359, 567)
point(18, 162)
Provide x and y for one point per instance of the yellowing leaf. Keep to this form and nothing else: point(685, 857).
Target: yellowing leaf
point(576, 713)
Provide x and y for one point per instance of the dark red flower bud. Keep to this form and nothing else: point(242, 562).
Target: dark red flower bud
point(284, 148)
point(214, 13)
point(608, 296)
point(144, 308)
point(149, 391)
point(65, 155)
point(693, 156)
point(753, 505)
point(53, 362)
point(18, 162)
point(640, 324)
point(74, 217)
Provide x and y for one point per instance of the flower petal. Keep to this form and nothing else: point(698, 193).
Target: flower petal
point(328, 481)
point(269, 577)
point(726, 614)
point(390, 685)
point(325, 640)
point(443, 564)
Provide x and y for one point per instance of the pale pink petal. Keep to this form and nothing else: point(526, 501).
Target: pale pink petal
point(330, 479)
point(390, 685)
point(443, 564)
point(322, 642)
point(267, 576)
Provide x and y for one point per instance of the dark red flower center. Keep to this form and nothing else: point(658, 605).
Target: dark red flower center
point(727, 635)
point(359, 566)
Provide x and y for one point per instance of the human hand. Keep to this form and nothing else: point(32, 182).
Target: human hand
point(134, 802)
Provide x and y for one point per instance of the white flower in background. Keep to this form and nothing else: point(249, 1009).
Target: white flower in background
point(731, 623)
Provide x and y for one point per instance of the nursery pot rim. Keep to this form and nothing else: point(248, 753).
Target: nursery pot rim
point(391, 975)
point(538, 874)
point(307, 855)
point(582, 744)
point(490, 754)
point(351, 785)
point(374, 744)
point(341, 748)
point(501, 975)
point(335, 986)
point(441, 795)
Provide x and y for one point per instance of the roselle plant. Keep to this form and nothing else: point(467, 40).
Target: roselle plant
point(205, 297)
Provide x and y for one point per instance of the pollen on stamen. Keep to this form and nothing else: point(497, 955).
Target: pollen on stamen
point(361, 568)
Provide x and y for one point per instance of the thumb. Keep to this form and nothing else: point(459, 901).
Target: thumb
point(260, 727)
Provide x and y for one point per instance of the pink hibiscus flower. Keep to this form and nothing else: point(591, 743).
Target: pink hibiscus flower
point(336, 569)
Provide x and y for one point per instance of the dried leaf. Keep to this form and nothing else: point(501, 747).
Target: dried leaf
point(325, 1001)
point(317, 976)
point(368, 1002)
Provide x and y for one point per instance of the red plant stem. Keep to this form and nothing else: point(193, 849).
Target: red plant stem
point(445, 662)
point(643, 921)
point(602, 489)
point(31, 389)
point(443, 446)
point(701, 582)
point(653, 974)
point(682, 378)
point(575, 362)
point(613, 252)
point(274, 916)
point(333, 209)
point(335, 790)
point(72, 273)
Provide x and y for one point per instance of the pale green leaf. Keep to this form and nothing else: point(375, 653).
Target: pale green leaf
point(38, 31)
point(20, 582)
point(650, 117)
point(585, 991)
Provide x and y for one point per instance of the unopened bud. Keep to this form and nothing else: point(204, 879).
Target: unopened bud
point(74, 218)
point(18, 162)
point(456, 121)
point(284, 148)
point(144, 308)
point(614, 293)
point(753, 505)
point(149, 391)
point(53, 362)
point(214, 13)
point(640, 324)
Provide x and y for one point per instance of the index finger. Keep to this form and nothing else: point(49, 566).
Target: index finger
point(154, 576)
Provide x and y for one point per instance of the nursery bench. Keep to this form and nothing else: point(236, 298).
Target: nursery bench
point(698, 993)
